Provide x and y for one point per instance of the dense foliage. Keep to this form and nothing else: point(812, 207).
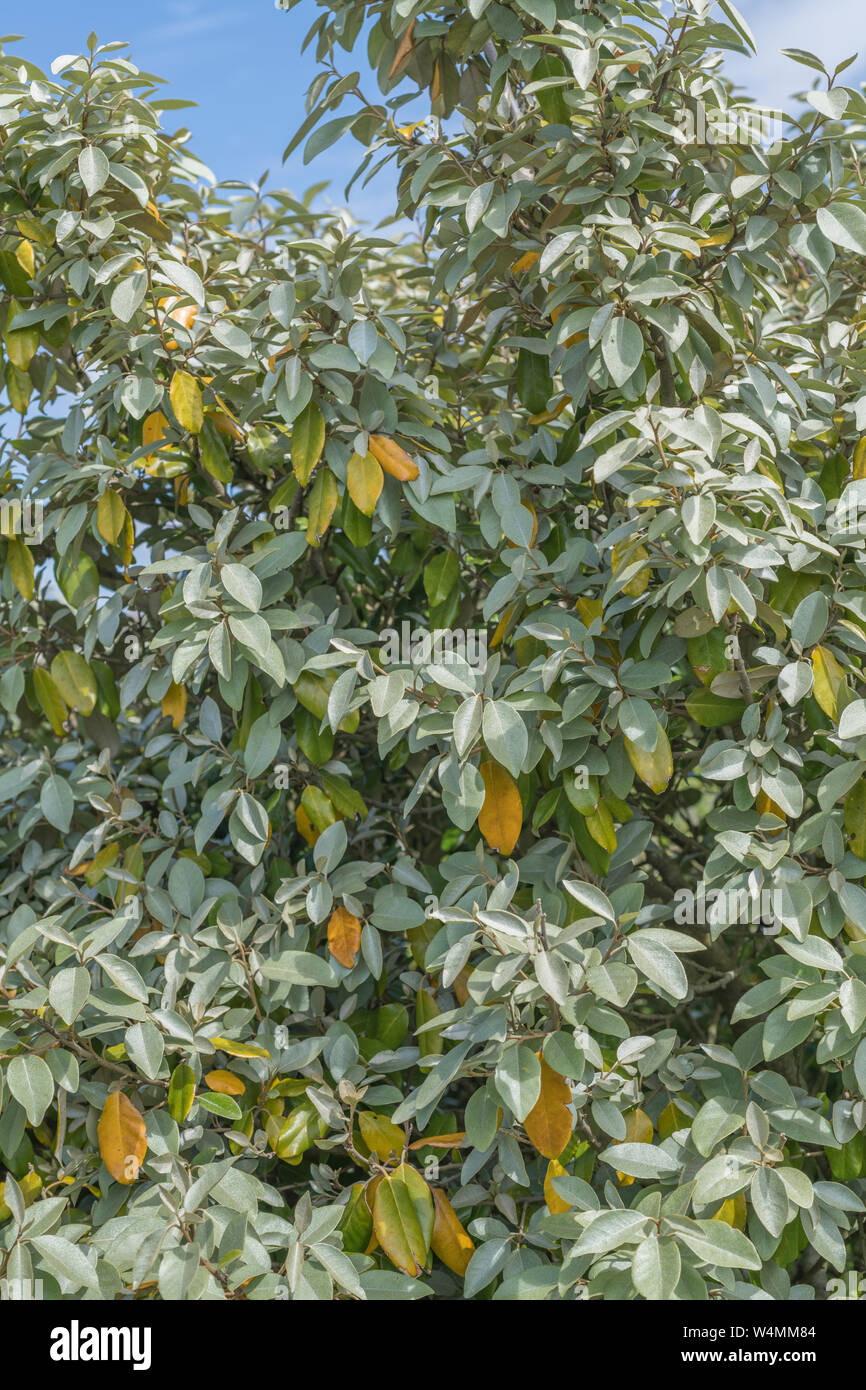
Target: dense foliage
point(433, 822)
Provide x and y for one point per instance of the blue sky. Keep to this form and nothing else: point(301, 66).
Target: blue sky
point(241, 61)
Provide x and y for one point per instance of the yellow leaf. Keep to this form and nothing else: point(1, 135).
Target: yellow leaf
point(154, 430)
point(364, 479)
point(308, 441)
point(25, 258)
point(111, 515)
point(544, 417)
point(656, 768)
point(525, 262)
point(30, 1185)
point(344, 937)
point(556, 1205)
point(21, 566)
point(174, 703)
point(450, 1242)
point(393, 459)
point(239, 1049)
point(403, 1219)
point(323, 501)
point(382, 1137)
point(49, 698)
point(549, 1122)
point(718, 238)
point(501, 818)
point(829, 680)
point(186, 401)
point(638, 1130)
point(860, 459)
point(225, 1083)
point(122, 1138)
point(733, 1212)
point(765, 805)
point(75, 681)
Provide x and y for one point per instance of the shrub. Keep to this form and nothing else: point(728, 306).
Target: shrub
point(433, 720)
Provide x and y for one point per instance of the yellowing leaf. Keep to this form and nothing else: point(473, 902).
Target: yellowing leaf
point(308, 441)
point(590, 609)
point(21, 566)
point(450, 1242)
point(638, 1130)
point(50, 699)
point(323, 501)
point(403, 1219)
point(501, 818)
point(525, 262)
point(671, 1119)
point(854, 812)
point(181, 1093)
point(860, 459)
point(122, 1138)
point(549, 1122)
point(624, 555)
point(364, 479)
point(100, 862)
point(436, 84)
point(404, 52)
point(600, 825)
point(173, 703)
point(344, 937)
point(305, 826)
point(829, 679)
point(656, 768)
point(382, 1137)
point(456, 1140)
point(239, 1049)
point(225, 1083)
point(111, 515)
point(393, 459)
point(21, 343)
point(319, 809)
point(186, 401)
point(75, 681)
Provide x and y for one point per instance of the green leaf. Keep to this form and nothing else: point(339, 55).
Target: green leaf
point(32, 1085)
point(622, 349)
